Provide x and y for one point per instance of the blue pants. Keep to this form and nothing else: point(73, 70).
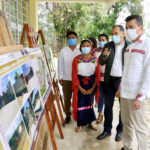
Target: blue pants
point(109, 96)
point(101, 97)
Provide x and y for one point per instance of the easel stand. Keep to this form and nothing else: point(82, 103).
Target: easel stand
point(6, 41)
point(31, 36)
point(5, 34)
point(49, 106)
point(55, 83)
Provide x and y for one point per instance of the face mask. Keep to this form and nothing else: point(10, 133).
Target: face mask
point(102, 44)
point(85, 50)
point(72, 42)
point(116, 39)
point(132, 35)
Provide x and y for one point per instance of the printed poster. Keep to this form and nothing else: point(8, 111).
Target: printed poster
point(41, 71)
point(49, 57)
point(24, 85)
point(17, 136)
point(13, 89)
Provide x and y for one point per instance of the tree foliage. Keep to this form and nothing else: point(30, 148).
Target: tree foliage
point(87, 19)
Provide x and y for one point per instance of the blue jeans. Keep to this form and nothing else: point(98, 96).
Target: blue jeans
point(101, 97)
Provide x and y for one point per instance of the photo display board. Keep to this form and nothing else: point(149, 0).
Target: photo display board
point(24, 87)
point(50, 59)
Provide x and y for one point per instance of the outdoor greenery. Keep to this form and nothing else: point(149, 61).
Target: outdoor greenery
point(87, 19)
point(7, 96)
point(16, 139)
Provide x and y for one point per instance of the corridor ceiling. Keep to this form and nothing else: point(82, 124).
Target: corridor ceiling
point(105, 3)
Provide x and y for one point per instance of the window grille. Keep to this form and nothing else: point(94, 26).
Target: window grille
point(17, 14)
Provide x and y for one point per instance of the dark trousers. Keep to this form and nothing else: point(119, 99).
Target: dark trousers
point(109, 96)
point(67, 92)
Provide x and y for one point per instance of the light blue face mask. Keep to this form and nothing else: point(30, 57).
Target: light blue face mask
point(72, 42)
point(85, 50)
point(102, 44)
point(116, 39)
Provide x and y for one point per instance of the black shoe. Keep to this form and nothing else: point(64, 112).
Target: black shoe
point(122, 148)
point(103, 135)
point(118, 137)
point(67, 119)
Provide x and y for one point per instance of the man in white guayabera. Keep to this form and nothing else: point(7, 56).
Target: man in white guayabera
point(135, 85)
point(66, 56)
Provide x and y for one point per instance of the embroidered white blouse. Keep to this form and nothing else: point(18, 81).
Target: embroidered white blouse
point(87, 67)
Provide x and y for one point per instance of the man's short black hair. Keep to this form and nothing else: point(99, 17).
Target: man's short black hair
point(120, 27)
point(71, 32)
point(138, 19)
point(105, 35)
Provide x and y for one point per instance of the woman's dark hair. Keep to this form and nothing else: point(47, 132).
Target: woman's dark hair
point(93, 41)
point(84, 42)
point(105, 35)
point(71, 32)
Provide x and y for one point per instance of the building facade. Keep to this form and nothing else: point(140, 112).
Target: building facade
point(19, 12)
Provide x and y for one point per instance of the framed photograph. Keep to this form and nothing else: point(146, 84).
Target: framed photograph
point(40, 70)
point(8, 102)
point(29, 118)
point(19, 85)
point(36, 102)
point(17, 135)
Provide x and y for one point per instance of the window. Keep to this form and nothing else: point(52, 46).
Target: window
point(17, 14)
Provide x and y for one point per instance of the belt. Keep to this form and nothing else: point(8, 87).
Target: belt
point(117, 78)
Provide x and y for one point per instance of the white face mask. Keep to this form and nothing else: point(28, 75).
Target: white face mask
point(85, 50)
point(132, 35)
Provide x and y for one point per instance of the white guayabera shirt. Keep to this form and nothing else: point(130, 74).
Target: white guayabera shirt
point(135, 81)
point(65, 60)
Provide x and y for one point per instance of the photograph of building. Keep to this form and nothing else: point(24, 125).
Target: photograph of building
point(29, 76)
point(29, 118)
point(17, 134)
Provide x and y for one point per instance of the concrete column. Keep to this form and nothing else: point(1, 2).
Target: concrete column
point(33, 14)
point(0, 4)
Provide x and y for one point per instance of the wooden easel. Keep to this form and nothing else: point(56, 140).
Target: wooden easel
point(55, 83)
point(31, 36)
point(5, 34)
point(57, 91)
point(49, 106)
point(6, 40)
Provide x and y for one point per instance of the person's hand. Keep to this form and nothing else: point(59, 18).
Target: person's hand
point(61, 82)
point(83, 91)
point(106, 52)
point(89, 91)
point(118, 93)
point(136, 104)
